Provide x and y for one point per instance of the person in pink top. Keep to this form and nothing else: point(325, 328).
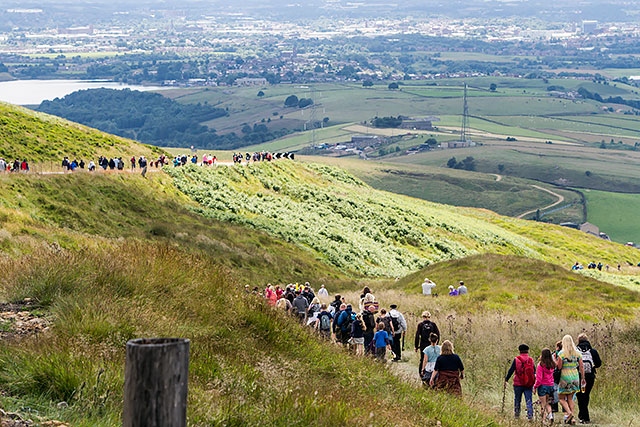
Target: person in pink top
point(544, 384)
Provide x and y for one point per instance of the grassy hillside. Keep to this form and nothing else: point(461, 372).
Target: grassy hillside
point(93, 260)
point(44, 140)
point(365, 231)
point(106, 258)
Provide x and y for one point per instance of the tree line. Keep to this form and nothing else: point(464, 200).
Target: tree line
point(152, 119)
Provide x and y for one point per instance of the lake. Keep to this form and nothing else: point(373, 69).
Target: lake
point(33, 92)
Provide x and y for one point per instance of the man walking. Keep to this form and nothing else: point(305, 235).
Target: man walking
point(300, 306)
point(425, 329)
point(399, 329)
point(590, 360)
point(524, 368)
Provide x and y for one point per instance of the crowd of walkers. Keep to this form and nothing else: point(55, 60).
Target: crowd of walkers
point(560, 375)
point(15, 166)
point(261, 156)
point(142, 163)
point(370, 330)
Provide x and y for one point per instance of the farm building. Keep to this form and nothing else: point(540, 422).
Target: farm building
point(418, 123)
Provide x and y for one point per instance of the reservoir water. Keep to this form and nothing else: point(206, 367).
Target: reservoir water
point(33, 92)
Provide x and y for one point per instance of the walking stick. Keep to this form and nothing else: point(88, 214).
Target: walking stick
point(504, 387)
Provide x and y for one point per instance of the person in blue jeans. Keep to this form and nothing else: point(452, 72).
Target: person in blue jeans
point(524, 368)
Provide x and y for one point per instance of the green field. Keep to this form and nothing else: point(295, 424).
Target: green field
point(615, 214)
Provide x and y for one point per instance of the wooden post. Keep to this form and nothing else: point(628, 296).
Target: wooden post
point(155, 384)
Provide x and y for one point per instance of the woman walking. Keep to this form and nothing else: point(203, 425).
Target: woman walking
point(569, 358)
point(544, 384)
point(431, 353)
point(448, 371)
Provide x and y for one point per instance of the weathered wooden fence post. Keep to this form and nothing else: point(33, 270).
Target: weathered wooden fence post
point(155, 384)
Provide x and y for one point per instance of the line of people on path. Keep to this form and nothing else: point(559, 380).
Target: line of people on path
point(261, 156)
point(560, 375)
point(370, 330)
point(15, 166)
point(112, 164)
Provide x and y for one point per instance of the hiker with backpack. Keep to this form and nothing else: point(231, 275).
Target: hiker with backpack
point(569, 361)
point(369, 321)
point(323, 322)
point(523, 381)
point(300, 306)
point(357, 335)
point(590, 361)
point(399, 329)
point(345, 320)
point(423, 334)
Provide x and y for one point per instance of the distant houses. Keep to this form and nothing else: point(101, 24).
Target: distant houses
point(457, 144)
point(418, 123)
point(588, 228)
point(251, 81)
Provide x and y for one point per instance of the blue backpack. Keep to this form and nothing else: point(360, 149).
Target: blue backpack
point(325, 321)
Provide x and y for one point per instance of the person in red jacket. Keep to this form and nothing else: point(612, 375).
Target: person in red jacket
point(524, 368)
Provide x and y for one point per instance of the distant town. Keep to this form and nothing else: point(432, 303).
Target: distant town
point(202, 47)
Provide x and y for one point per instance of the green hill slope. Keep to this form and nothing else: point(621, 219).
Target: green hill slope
point(375, 233)
point(93, 260)
point(39, 137)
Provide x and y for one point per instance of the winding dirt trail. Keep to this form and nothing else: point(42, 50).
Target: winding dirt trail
point(557, 202)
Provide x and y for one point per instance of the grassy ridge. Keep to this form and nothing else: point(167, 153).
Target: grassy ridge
point(38, 137)
point(127, 207)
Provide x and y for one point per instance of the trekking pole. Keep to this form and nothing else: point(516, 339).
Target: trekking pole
point(402, 341)
point(504, 387)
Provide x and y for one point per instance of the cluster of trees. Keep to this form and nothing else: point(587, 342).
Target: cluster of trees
point(293, 101)
point(467, 163)
point(152, 118)
point(610, 100)
point(387, 122)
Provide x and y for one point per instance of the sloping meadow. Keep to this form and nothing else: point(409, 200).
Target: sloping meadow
point(365, 231)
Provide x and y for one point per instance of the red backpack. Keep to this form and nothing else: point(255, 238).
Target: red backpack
point(526, 371)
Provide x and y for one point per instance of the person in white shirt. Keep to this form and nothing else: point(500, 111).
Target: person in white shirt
point(427, 286)
point(323, 293)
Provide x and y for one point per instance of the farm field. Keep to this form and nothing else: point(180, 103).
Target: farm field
point(504, 195)
point(519, 108)
point(614, 214)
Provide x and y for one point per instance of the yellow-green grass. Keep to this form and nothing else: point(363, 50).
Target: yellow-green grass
point(248, 364)
point(394, 235)
point(43, 138)
point(127, 206)
point(613, 213)
point(143, 265)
